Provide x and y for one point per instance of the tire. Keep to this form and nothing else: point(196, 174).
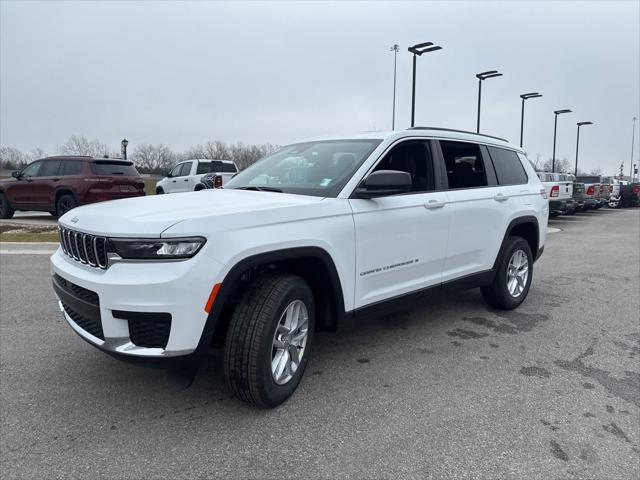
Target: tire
point(498, 294)
point(5, 208)
point(250, 345)
point(65, 203)
point(199, 187)
point(159, 191)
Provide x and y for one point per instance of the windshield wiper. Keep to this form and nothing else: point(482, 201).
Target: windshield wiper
point(259, 189)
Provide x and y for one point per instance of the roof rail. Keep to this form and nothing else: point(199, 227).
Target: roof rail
point(458, 131)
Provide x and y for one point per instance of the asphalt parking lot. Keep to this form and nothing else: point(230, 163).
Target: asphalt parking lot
point(449, 390)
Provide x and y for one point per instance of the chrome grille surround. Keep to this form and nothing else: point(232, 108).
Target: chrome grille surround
point(84, 248)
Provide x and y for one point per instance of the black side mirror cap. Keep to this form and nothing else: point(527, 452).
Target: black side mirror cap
point(384, 182)
point(15, 174)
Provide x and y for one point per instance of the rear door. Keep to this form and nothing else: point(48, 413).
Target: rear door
point(480, 208)
point(47, 181)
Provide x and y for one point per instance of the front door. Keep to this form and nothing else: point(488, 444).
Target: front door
point(24, 191)
point(401, 239)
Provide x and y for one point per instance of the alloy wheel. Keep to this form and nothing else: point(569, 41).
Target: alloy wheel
point(289, 341)
point(517, 273)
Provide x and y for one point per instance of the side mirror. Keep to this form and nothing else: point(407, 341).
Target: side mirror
point(383, 183)
point(168, 174)
point(16, 174)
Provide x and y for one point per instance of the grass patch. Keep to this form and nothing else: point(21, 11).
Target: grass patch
point(150, 186)
point(29, 237)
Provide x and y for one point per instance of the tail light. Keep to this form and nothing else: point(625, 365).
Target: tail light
point(555, 191)
point(635, 189)
point(601, 188)
point(543, 192)
point(590, 190)
point(217, 181)
point(610, 188)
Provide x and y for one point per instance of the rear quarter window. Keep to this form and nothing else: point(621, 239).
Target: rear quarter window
point(71, 167)
point(103, 167)
point(509, 169)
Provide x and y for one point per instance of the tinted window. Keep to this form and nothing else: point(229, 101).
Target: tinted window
point(589, 179)
point(31, 170)
point(509, 170)
point(186, 169)
point(229, 168)
point(71, 167)
point(105, 167)
point(319, 168)
point(49, 168)
point(175, 171)
point(413, 157)
point(203, 167)
point(465, 168)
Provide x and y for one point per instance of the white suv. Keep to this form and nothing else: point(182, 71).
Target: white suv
point(319, 231)
point(186, 176)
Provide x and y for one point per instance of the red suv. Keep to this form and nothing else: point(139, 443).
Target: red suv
point(58, 184)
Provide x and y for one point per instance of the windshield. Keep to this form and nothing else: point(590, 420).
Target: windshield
point(319, 169)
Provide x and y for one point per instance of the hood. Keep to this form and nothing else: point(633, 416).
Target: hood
point(149, 216)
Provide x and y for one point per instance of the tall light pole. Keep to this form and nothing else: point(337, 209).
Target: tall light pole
point(580, 124)
point(123, 147)
point(481, 77)
point(555, 130)
point(525, 96)
point(633, 137)
point(395, 49)
point(417, 50)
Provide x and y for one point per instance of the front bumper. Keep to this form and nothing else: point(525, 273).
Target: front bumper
point(124, 310)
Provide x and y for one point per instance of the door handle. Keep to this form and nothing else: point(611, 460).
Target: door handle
point(173, 181)
point(433, 204)
point(501, 197)
point(186, 179)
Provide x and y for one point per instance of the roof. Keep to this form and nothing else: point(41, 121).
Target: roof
point(207, 160)
point(431, 132)
point(85, 157)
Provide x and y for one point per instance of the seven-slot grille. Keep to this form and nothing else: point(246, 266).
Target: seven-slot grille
point(83, 247)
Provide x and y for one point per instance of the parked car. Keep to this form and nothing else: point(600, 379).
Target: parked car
point(317, 232)
point(578, 193)
point(592, 191)
point(58, 184)
point(565, 181)
point(613, 184)
point(630, 195)
point(186, 176)
point(557, 191)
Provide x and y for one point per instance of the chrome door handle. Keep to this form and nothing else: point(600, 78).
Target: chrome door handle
point(500, 197)
point(433, 204)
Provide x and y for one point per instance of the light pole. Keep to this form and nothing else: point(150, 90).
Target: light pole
point(633, 137)
point(417, 50)
point(483, 76)
point(555, 130)
point(578, 143)
point(395, 49)
point(525, 96)
point(123, 147)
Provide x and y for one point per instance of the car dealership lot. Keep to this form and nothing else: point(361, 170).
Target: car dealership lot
point(450, 389)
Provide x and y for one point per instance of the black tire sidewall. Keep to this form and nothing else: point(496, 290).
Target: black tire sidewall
point(275, 394)
point(61, 199)
point(5, 208)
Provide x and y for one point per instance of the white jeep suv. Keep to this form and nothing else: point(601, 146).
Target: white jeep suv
point(317, 232)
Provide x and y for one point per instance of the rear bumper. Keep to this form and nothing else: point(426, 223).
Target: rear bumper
point(106, 196)
point(558, 206)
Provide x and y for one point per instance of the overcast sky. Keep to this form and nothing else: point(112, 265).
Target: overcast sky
point(184, 73)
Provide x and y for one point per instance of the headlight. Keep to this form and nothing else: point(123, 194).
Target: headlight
point(156, 249)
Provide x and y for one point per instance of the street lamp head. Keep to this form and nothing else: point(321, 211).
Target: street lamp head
point(395, 48)
point(526, 96)
point(584, 123)
point(558, 112)
point(488, 74)
point(125, 142)
point(421, 48)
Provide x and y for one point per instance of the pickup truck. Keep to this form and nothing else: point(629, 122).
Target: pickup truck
point(186, 176)
point(592, 190)
point(559, 193)
point(578, 192)
point(630, 195)
point(613, 184)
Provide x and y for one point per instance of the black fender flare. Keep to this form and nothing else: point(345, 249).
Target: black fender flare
point(235, 273)
point(515, 222)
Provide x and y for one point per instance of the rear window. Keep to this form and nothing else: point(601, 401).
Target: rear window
point(509, 169)
point(71, 167)
point(104, 167)
point(203, 167)
point(229, 168)
point(465, 168)
point(589, 179)
point(49, 168)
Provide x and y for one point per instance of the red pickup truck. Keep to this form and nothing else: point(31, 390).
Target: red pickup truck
point(58, 184)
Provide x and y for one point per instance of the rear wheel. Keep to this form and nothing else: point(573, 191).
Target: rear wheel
point(267, 345)
point(65, 203)
point(5, 208)
point(513, 277)
point(159, 191)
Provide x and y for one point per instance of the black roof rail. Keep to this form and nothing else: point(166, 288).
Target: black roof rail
point(457, 131)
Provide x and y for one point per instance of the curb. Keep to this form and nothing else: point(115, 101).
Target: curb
point(28, 247)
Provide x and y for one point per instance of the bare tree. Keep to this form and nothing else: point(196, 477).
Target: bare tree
point(79, 145)
point(13, 158)
point(152, 158)
point(562, 166)
point(595, 171)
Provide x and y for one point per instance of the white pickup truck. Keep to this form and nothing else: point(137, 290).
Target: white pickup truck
point(560, 192)
point(186, 176)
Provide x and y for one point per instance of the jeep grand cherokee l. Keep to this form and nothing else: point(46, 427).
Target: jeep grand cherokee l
point(58, 184)
point(317, 232)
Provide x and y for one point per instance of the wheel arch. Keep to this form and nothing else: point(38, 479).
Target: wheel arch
point(63, 190)
point(526, 227)
point(314, 264)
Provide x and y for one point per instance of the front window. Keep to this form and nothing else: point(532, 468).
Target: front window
point(319, 169)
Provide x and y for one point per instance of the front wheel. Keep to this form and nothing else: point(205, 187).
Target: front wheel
point(513, 277)
point(267, 345)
